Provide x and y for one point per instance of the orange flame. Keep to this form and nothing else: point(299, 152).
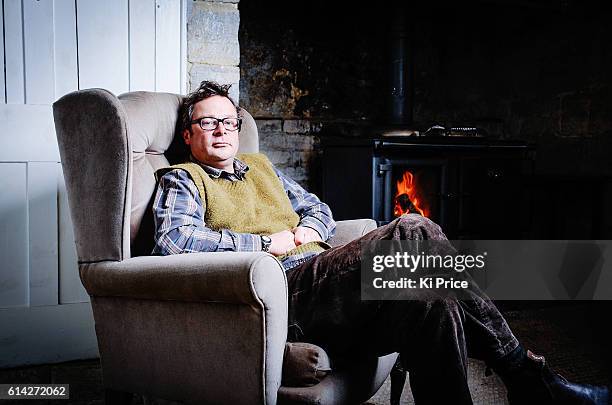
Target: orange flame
point(407, 199)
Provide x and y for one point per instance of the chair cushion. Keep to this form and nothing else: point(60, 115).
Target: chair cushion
point(151, 127)
point(354, 384)
point(304, 365)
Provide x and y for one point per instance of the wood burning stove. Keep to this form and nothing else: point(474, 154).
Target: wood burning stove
point(473, 187)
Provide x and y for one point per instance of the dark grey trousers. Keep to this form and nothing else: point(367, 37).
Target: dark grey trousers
point(434, 334)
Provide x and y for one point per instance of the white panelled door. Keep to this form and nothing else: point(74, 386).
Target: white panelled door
point(49, 48)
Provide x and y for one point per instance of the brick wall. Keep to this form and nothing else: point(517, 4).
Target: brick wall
point(292, 145)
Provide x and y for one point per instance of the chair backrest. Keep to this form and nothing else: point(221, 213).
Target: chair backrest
point(110, 148)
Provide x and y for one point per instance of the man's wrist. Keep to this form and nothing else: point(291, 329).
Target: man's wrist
point(312, 227)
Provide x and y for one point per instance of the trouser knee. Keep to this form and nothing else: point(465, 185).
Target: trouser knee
point(415, 226)
point(444, 319)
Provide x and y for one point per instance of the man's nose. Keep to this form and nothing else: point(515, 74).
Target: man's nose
point(220, 130)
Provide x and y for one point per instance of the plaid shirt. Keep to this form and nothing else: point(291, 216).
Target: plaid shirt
point(179, 216)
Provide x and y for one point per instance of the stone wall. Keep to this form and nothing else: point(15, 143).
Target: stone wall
point(303, 71)
point(213, 51)
point(539, 71)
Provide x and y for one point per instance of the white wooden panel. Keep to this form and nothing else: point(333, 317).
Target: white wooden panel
point(38, 51)
point(13, 236)
point(142, 45)
point(47, 335)
point(65, 43)
point(27, 132)
point(184, 78)
point(102, 32)
point(13, 43)
point(168, 46)
point(42, 210)
point(71, 289)
point(2, 93)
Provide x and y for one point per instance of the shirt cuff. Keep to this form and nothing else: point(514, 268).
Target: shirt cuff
point(239, 242)
point(317, 225)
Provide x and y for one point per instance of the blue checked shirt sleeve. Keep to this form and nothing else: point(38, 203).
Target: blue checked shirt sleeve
point(313, 213)
point(179, 221)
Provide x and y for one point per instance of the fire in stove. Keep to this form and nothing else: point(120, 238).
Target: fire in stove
point(408, 198)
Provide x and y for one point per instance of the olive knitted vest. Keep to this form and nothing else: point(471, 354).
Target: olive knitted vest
point(258, 204)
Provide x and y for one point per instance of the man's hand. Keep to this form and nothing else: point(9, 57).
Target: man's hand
point(282, 242)
point(304, 234)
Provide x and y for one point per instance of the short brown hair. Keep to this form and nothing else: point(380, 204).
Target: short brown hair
point(207, 89)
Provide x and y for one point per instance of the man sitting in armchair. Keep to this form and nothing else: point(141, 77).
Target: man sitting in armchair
point(221, 201)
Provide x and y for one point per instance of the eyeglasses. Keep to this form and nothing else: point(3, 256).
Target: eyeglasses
point(211, 123)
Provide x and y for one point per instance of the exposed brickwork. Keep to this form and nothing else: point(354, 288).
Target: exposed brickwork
point(291, 147)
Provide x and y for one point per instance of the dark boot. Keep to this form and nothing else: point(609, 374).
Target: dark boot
point(534, 382)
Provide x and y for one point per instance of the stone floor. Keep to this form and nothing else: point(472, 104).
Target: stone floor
point(571, 336)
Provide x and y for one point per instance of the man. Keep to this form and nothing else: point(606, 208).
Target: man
point(220, 202)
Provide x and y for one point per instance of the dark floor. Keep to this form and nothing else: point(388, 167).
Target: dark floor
point(574, 338)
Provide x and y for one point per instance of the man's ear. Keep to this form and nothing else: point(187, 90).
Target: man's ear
point(187, 136)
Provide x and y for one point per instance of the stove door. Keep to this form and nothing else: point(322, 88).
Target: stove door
point(403, 186)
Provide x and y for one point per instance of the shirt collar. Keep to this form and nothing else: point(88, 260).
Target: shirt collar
point(240, 169)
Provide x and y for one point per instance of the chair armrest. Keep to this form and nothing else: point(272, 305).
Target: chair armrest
point(225, 277)
point(352, 229)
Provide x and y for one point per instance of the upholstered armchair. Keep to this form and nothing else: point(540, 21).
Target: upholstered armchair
point(198, 328)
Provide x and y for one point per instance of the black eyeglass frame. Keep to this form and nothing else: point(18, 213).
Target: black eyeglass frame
point(219, 120)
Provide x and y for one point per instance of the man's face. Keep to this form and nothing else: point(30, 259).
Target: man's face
point(217, 147)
